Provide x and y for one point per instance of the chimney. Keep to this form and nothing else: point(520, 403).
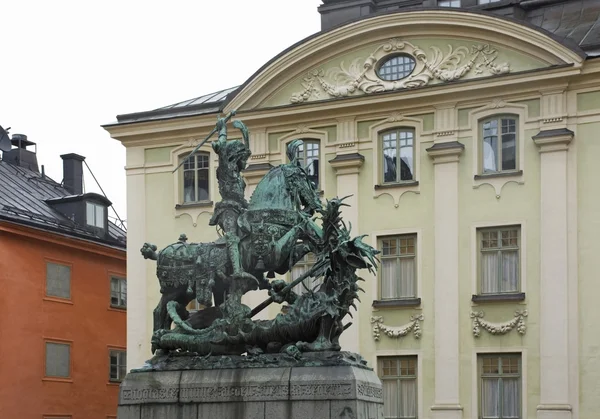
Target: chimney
point(73, 173)
point(19, 155)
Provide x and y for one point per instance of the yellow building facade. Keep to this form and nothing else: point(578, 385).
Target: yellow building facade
point(468, 144)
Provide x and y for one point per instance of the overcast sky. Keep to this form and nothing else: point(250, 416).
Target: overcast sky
point(68, 67)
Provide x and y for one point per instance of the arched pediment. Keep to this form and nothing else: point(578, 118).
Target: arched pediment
point(443, 45)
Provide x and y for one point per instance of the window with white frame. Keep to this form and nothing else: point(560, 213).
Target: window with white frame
point(117, 364)
point(58, 360)
point(487, 1)
point(196, 178)
point(309, 157)
point(499, 249)
point(398, 269)
point(58, 280)
point(299, 269)
point(500, 386)
point(499, 151)
point(448, 3)
point(399, 380)
point(118, 292)
point(95, 214)
point(398, 155)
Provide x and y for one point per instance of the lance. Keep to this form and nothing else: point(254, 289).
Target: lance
point(317, 267)
point(226, 119)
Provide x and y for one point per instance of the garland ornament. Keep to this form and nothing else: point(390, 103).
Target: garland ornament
point(361, 75)
point(518, 322)
point(397, 332)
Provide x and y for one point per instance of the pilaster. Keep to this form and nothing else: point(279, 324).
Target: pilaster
point(445, 157)
point(347, 168)
point(554, 287)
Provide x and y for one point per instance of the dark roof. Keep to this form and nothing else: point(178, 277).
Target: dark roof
point(573, 23)
point(24, 196)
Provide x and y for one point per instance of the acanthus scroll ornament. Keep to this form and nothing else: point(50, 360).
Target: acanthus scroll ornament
point(518, 322)
point(397, 332)
point(361, 75)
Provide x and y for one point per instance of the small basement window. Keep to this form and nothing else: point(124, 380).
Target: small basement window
point(95, 215)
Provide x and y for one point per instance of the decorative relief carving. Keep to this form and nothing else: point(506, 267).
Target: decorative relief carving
point(346, 145)
point(318, 390)
point(361, 75)
point(518, 322)
point(258, 156)
point(365, 390)
point(397, 332)
point(395, 117)
point(146, 395)
point(225, 393)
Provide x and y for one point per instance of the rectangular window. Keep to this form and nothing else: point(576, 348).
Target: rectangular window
point(500, 389)
point(398, 269)
point(308, 157)
point(398, 155)
point(449, 3)
point(118, 365)
point(499, 144)
point(399, 380)
point(195, 178)
point(118, 292)
point(94, 215)
point(499, 259)
point(58, 280)
point(58, 360)
point(299, 269)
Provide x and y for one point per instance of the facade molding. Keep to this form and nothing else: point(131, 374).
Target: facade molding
point(396, 332)
point(517, 322)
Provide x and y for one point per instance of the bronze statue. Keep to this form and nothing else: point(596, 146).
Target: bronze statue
point(267, 235)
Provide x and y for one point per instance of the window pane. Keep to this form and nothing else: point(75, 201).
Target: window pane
point(58, 280)
point(509, 151)
point(389, 278)
point(489, 272)
point(89, 213)
point(390, 173)
point(312, 161)
point(407, 277)
point(408, 398)
point(511, 400)
point(490, 147)
point(99, 216)
point(406, 155)
point(490, 397)
point(390, 399)
point(189, 189)
point(58, 360)
point(510, 271)
point(202, 184)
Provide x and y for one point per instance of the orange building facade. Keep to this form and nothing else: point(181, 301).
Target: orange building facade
point(63, 303)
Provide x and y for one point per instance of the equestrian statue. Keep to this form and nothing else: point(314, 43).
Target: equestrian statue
point(283, 221)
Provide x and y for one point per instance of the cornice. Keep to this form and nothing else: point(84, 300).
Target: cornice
point(447, 152)
point(553, 140)
point(346, 164)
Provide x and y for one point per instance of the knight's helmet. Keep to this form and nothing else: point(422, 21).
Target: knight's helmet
point(292, 151)
point(175, 264)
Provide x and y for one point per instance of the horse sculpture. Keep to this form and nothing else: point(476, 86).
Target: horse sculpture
point(262, 237)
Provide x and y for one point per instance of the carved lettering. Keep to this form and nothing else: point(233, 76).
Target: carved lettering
point(149, 395)
point(316, 390)
point(261, 392)
point(369, 391)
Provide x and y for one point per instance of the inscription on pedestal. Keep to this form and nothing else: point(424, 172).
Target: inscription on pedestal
point(148, 395)
point(233, 393)
point(321, 390)
point(371, 392)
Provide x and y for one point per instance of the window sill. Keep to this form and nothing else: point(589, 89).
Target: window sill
point(118, 309)
point(405, 302)
point(498, 174)
point(195, 205)
point(397, 185)
point(58, 300)
point(498, 298)
point(58, 379)
point(114, 383)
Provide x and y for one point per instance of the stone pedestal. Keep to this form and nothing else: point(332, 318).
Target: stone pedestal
point(271, 387)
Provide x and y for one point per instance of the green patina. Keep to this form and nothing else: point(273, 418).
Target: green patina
point(263, 236)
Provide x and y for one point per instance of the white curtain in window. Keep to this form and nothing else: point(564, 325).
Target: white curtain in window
point(408, 399)
point(489, 272)
point(407, 277)
point(490, 398)
point(510, 264)
point(390, 398)
point(489, 157)
point(389, 278)
point(510, 398)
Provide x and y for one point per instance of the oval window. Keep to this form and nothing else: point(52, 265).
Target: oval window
point(396, 67)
